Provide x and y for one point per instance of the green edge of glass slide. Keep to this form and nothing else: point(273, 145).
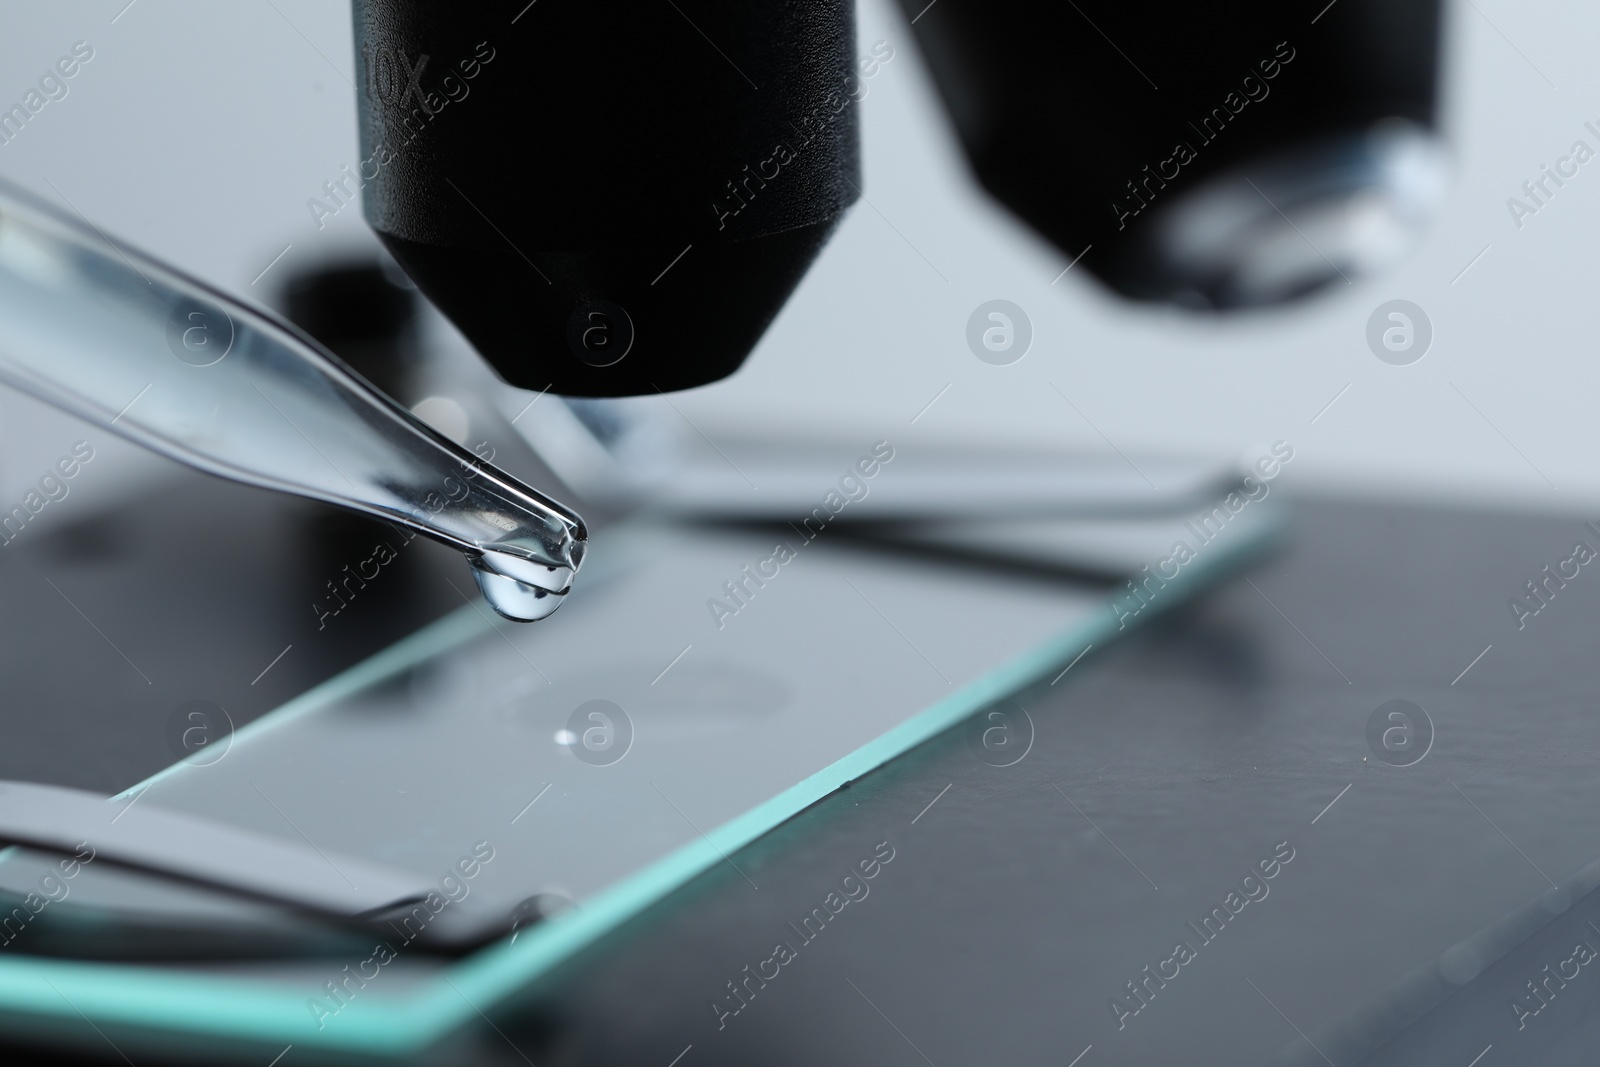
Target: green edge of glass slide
point(49, 993)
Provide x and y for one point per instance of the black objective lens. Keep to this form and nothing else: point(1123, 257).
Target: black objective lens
point(1209, 154)
point(607, 198)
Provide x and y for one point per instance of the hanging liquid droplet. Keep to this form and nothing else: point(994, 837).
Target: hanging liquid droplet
point(521, 601)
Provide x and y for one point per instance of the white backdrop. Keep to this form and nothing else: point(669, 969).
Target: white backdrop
point(200, 129)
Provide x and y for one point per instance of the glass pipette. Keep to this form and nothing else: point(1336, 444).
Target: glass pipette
point(106, 332)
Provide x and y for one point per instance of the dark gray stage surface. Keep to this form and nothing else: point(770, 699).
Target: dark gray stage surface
point(1020, 901)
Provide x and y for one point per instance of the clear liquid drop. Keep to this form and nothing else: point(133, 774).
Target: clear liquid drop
point(516, 600)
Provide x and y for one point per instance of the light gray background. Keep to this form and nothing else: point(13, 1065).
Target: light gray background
point(200, 129)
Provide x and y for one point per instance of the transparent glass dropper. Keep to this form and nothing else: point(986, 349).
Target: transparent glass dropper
point(109, 334)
